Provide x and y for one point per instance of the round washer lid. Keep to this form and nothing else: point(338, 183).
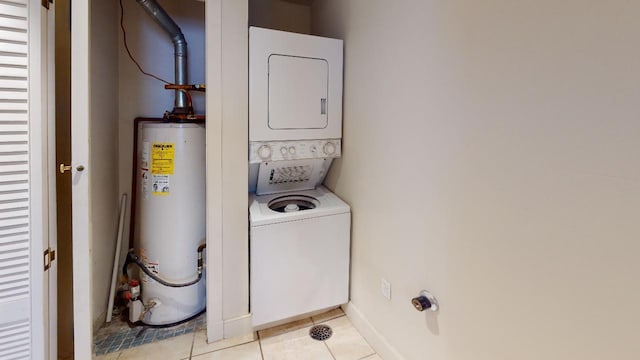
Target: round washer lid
point(293, 203)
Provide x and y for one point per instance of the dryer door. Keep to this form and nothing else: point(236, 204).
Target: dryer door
point(298, 90)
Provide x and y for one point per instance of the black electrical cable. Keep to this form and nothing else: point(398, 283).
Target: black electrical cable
point(126, 47)
point(133, 258)
point(142, 323)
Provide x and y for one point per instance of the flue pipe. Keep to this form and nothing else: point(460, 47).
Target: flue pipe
point(179, 44)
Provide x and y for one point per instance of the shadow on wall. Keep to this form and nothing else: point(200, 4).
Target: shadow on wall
point(280, 15)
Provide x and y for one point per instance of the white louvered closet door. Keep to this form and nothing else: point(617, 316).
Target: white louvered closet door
point(22, 202)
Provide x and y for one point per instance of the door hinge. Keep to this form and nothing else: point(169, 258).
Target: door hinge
point(45, 3)
point(49, 257)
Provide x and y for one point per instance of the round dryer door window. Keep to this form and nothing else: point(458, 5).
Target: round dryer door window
point(293, 203)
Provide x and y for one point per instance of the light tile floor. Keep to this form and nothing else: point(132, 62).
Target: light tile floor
point(286, 342)
point(120, 335)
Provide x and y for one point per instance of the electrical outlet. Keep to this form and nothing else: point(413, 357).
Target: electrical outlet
point(385, 288)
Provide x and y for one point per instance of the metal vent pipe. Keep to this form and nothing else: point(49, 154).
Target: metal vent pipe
point(179, 43)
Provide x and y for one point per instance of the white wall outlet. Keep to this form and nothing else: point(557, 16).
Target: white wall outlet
point(385, 288)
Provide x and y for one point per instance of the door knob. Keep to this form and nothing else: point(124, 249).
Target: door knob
point(64, 168)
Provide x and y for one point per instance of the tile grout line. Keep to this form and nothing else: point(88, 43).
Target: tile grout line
point(324, 341)
point(365, 340)
point(230, 347)
point(368, 356)
point(193, 342)
point(328, 348)
point(260, 346)
point(224, 348)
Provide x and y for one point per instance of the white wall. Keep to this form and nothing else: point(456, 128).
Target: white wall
point(490, 156)
point(227, 169)
point(103, 140)
point(143, 96)
point(235, 118)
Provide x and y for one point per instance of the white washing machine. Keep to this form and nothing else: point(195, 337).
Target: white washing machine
point(299, 254)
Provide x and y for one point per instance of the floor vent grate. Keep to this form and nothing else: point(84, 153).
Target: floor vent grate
point(320, 332)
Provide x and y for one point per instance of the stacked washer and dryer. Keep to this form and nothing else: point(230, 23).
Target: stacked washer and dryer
point(299, 230)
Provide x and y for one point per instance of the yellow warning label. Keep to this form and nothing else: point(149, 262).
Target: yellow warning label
point(162, 156)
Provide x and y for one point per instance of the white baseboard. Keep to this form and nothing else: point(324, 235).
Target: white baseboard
point(378, 342)
point(215, 330)
point(238, 326)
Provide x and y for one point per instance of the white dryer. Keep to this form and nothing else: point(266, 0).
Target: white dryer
point(299, 254)
point(295, 86)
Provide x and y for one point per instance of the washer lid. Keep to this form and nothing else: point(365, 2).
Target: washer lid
point(272, 209)
point(291, 203)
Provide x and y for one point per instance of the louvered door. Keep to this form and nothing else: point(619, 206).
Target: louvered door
point(21, 183)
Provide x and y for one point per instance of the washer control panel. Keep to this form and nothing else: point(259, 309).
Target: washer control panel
point(263, 151)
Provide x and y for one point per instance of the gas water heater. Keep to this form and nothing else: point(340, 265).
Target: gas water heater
point(169, 183)
point(171, 222)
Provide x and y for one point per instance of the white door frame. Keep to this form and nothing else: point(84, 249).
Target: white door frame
point(213, 18)
point(80, 86)
point(38, 188)
point(51, 281)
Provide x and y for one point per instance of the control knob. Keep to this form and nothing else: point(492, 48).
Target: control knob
point(329, 148)
point(264, 152)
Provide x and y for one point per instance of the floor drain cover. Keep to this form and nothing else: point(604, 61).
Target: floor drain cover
point(320, 332)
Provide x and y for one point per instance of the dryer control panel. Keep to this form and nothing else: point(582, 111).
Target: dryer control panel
point(266, 151)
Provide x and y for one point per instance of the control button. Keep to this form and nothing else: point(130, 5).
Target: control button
point(313, 149)
point(292, 150)
point(264, 152)
point(283, 150)
point(329, 148)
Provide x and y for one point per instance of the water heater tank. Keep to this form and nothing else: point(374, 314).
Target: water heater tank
point(171, 218)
